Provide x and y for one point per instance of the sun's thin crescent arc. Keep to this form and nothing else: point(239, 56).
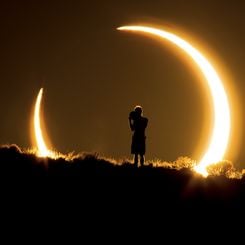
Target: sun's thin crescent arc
point(42, 148)
point(222, 121)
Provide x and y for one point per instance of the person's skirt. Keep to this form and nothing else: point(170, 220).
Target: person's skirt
point(138, 144)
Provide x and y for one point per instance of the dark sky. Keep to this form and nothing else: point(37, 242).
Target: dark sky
point(94, 75)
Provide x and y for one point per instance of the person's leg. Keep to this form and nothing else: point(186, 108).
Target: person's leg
point(136, 160)
point(142, 159)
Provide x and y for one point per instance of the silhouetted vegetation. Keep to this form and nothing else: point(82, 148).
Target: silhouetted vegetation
point(90, 176)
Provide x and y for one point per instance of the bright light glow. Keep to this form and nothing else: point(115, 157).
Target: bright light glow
point(40, 143)
point(221, 128)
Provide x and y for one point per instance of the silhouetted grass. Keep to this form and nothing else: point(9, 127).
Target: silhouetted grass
point(91, 177)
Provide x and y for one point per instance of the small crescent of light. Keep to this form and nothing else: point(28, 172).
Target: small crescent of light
point(221, 128)
point(41, 146)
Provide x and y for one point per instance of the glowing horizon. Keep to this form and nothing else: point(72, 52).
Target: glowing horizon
point(222, 121)
point(42, 148)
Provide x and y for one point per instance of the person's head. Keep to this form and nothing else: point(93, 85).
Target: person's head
point(138, 110)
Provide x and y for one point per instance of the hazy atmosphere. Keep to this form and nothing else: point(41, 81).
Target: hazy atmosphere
point(93, 75)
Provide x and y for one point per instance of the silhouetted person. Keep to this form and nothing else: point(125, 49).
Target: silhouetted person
point(138, 124)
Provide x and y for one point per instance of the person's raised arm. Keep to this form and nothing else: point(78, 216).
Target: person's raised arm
point(131, 124)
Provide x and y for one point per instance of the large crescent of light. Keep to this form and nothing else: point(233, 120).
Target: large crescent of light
point(41, 146)
point(221, 128)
